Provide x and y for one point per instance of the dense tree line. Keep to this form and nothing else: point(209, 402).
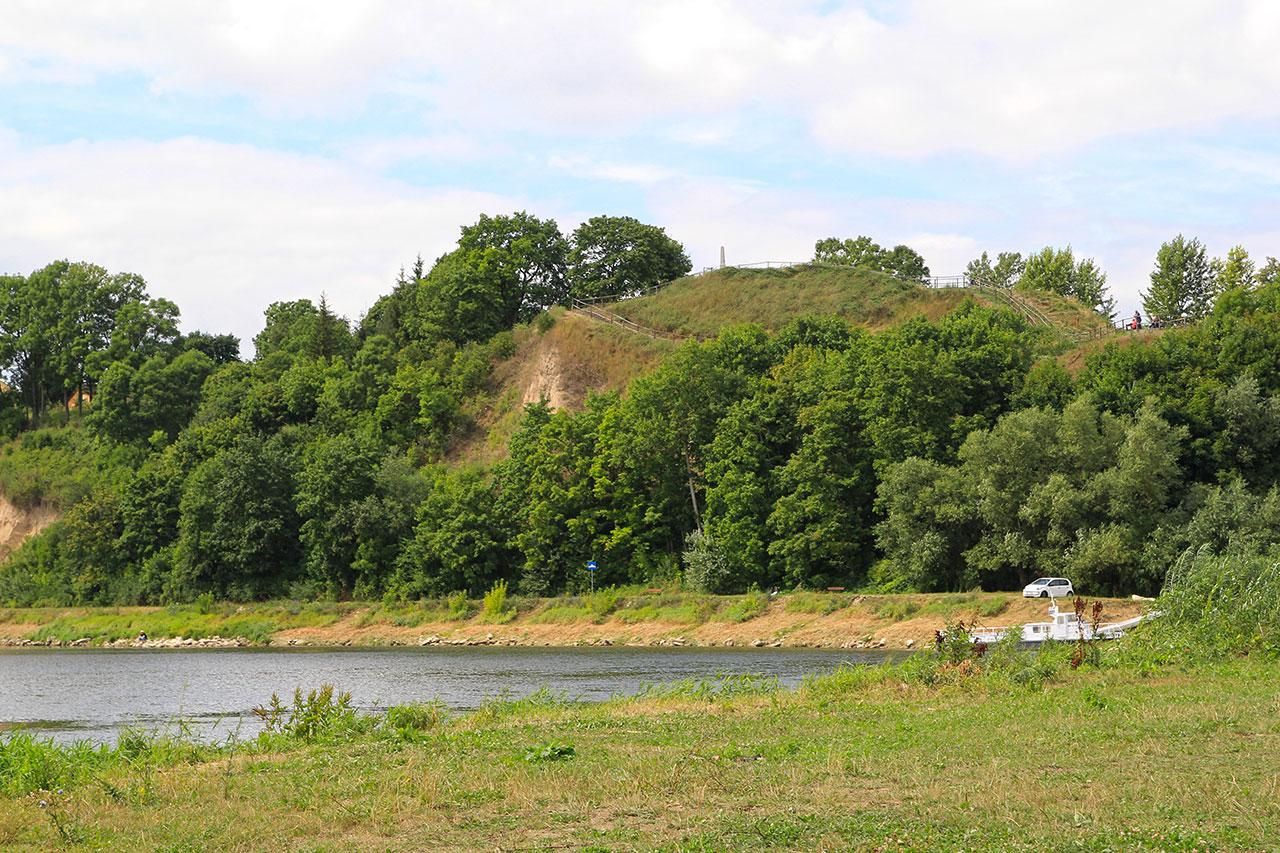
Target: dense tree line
point(66, 327)
point(1185, 282)
point(934, 455)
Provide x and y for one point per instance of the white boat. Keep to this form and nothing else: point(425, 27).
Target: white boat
point(1063, 626)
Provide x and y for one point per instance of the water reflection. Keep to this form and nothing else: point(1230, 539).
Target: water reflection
point(71, 694)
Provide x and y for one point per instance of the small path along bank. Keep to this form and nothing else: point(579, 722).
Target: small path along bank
point(796, 620)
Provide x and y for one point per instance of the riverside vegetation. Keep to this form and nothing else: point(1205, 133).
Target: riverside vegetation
point(906, 440)
point(1166, 740)
point(612, 615)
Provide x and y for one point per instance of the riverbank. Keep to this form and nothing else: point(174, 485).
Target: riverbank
point(609, 617)
point(1020, 752)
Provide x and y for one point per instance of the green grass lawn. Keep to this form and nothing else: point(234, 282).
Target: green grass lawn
point(921, 756)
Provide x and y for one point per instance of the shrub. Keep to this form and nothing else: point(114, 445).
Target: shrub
point(992, 607)
point(318, 715)
point(410, 722)
point(494, 607)
point(706, 567)
point(745, 607)
point(1213, 606)
point(897, 610)
point(602, 602)
point(457, 605)
point(818, 603)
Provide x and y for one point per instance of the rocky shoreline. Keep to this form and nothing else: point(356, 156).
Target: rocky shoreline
point(437, 640)
point(166, 643)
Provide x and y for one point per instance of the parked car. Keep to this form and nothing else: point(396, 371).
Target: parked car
point(1048, 588)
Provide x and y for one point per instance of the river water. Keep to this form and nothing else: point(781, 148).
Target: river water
point(71, 694)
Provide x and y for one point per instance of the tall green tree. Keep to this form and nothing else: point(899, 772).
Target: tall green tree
point(1269, 272)
point(238, 528)
point(1004, 273)
point(505, 270)
point(338, 474)
point(1057, 271)
point(1181, 284)
point(1236, 271)
point(526, 256)
point(460, 541)
point(301, 328)
point(619, 255)
point(155, 400)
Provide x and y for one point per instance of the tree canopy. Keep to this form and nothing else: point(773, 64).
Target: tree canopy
point(861, 251)
point(1181, 283)
point(1057, 271)
point(620, 256)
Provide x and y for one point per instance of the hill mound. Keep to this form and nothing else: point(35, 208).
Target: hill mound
point(699, 306)
point(567, 355)
point(702, 305)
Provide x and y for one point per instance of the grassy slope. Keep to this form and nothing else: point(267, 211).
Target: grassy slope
point(1096, 760)
point(1074, 358)
point(702, 305)
point(571, 359)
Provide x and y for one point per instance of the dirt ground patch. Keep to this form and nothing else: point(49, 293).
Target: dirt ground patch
point(863, 621)
point(17, 525)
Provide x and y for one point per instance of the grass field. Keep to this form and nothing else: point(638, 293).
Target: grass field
point(925, 755)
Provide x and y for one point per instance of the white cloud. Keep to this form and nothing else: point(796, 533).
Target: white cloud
point(623, 173)
point(382, 153)
point(946, 254)
point(224, 230)
point(1011, 80)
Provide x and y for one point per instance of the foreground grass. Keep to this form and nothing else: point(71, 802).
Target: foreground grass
point(939, 757)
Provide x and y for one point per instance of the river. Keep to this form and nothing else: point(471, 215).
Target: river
point(72, 694)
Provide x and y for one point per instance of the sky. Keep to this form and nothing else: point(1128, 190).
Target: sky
point(239, 152)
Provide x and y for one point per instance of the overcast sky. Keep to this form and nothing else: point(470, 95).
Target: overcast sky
point(240, 152)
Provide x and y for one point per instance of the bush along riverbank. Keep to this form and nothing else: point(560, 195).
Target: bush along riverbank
point(1165, 740)
point(614, 616)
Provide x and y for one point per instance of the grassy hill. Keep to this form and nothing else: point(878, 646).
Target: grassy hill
point(700, 306)
point(567, 355)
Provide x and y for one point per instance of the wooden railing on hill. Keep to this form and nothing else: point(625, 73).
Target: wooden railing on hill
point(595, 312)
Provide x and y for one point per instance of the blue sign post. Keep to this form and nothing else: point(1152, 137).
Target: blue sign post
point(591, 567)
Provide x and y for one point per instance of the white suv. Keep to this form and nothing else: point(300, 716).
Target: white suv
point(1048, 588)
